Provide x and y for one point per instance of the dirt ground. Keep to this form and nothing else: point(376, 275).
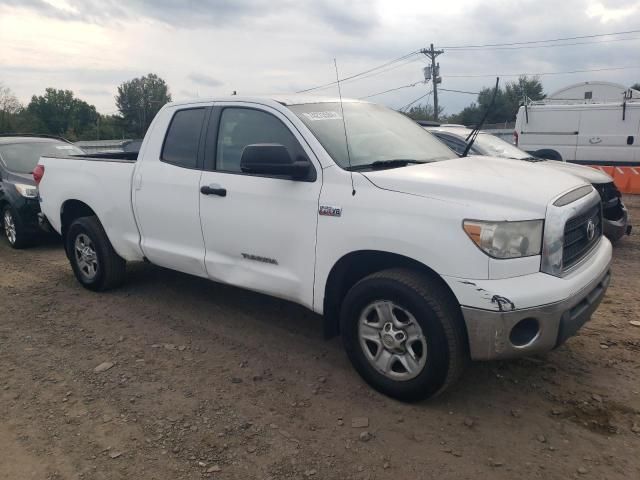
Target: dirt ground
point(214, 382)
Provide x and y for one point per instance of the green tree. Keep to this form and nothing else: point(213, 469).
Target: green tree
point(636, 86)
point(60, 113)
point(139, 100)
point(524, 87)
point(423, 112)
point(10, 108)
point(507, 103)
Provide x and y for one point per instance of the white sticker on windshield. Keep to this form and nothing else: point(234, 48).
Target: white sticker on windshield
point(315, 116)
point(64, 147)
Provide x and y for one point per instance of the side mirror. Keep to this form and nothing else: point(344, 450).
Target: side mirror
point(272, 159)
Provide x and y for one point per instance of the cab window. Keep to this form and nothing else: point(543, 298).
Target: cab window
point(183, 137)
point(240, 127)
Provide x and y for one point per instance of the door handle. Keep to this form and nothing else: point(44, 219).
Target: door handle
point(213, 190)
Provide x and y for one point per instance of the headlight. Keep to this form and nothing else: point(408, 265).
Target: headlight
point(506, 239)
point(27, 191)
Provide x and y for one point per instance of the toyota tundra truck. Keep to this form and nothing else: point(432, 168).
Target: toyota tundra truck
point(419, 259)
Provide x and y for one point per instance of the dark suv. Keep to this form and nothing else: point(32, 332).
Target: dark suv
point(19, 206)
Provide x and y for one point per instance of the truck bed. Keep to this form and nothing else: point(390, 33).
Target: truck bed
point(125, 157)
point(102, 182)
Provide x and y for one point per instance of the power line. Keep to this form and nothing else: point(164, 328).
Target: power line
point(522, 47)
point(356, 75)
point(459, 91)
point(416, 100)
point(412, 56)
point(392, 90)
point(452, 47)
point(387, 69)
point(540, 74)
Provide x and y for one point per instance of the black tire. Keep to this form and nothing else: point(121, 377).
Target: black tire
point(21, 239)
point(548, 155)
point(110, 267)
point(439, 316)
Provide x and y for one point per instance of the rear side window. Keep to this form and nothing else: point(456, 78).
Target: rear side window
point(181, 143)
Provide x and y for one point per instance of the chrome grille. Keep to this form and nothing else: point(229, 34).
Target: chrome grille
point(577, 241)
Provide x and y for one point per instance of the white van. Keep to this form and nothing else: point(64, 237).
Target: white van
point(588, 133)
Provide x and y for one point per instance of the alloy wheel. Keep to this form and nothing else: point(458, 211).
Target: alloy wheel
point(392, 340)
point(86, 256)
point(9, 227)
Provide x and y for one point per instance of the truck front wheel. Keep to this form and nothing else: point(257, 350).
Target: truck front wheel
point(95, 263)
point(403, 332)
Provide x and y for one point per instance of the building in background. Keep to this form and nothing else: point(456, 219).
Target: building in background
point(594, 92)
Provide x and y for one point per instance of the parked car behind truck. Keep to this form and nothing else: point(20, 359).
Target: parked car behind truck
point(615, 215)
point(19, 207)
point(418, 258)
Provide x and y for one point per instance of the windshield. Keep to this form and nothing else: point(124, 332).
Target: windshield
point(23, 157)
point(375, 133)
point(496, 147)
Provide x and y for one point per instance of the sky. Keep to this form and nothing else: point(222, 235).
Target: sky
point(205, 48)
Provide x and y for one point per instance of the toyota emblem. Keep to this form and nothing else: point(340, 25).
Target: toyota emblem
point(591, 230)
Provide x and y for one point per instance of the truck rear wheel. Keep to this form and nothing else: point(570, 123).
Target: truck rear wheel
point(403, 332)
point(95, 263)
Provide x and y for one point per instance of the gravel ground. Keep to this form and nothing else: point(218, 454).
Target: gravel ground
point(198, 380)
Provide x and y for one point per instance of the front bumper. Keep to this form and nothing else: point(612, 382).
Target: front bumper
point(529, 314)
point(616, 229)
point(491, 334)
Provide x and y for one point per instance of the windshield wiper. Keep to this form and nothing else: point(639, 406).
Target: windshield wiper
point(474, 133)
point(383, 164)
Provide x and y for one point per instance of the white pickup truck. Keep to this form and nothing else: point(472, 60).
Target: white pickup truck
point(421, 260)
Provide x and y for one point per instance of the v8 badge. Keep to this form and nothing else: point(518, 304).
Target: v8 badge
point(329, 211)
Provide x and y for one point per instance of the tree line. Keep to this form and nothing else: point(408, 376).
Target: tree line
point(508, 101)
point(60, 112)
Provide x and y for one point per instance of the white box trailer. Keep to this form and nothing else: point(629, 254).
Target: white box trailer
point(605, 133)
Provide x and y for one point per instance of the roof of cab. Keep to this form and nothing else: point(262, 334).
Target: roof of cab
point(291, 99)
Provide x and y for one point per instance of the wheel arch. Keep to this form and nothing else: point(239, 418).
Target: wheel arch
point(353, 267)
point(548, 154)
point(70, 211)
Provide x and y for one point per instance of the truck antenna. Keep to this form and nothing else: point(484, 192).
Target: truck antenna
point(344, 127)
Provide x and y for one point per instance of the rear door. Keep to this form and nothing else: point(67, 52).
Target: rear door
point(261, 234)
point(605, 136)
point(166, 190)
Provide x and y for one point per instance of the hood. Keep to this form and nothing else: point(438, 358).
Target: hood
point(588, 174)
point(14, 177)
point(516, 189)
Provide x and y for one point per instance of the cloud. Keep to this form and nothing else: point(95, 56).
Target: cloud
point(200, 13)
point(265, 46)
point(94, 92)
point(351, 18)
point(206, 80)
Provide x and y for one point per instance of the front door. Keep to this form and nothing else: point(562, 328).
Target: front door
point(259, 231)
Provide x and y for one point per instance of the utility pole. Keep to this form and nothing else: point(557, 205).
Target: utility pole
point(432, 54)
